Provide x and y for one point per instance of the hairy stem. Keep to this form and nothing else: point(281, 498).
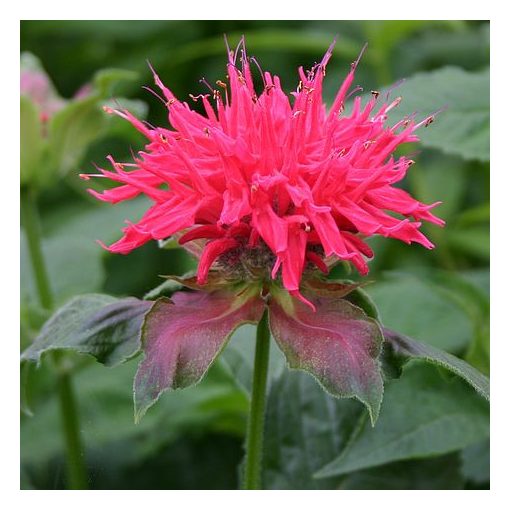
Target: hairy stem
point(76, 471)
point(255, 432)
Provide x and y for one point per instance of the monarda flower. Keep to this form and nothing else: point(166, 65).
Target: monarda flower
point(55, 132)
point(268, 189)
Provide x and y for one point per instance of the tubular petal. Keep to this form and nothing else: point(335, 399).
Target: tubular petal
point(258, 171)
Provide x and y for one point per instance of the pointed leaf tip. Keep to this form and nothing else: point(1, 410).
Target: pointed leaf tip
point(404, 349)
point(338, 344)
point(96, 324)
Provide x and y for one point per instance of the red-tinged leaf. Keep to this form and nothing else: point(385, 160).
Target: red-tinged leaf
point(338, 344)
point(182, 337)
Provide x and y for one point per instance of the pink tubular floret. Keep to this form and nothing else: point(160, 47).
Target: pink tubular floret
point(259, 167)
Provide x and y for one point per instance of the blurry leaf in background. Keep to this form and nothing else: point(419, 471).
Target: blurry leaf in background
point(447, 179)
point(55, 133)
point(476, 462)
point(422, 415)
point(463, 128)
point(440, 178)
point(78, 265)
point(105, 80)
point(72, 255)
point(71, 130)
point(468, 48)
point(437, 473)
point(33, 144)
point(384, 36)
point(305, 429)
point(475, 215)
point(408, 304)
point(473, 298)
point(106, 409)
point(474, 241)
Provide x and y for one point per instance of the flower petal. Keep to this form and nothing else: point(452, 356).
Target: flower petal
point(182, 337)
point(338, 344)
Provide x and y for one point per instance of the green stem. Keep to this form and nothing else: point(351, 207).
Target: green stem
point(255, 432)
point(76, 471)
point(31, 224)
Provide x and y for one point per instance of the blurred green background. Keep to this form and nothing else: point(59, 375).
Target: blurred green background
point(194, 438)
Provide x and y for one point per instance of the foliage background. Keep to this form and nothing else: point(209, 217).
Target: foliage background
point(431, 434)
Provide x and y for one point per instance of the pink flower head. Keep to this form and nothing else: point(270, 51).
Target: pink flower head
point(272, 186)
point(36, 85)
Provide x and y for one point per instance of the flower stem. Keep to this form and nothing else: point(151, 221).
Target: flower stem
point(76, 471)
point(255, 432)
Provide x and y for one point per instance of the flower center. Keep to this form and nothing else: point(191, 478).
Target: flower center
point(255, 263)
point(247, 263)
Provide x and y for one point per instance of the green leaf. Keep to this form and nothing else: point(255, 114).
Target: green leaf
point(384, 35)
point(475, 301)
point(478, 214)
point(410, 305)
point(476, 462)
point(439, 178)
point(468, 48)
point(102, 326)
point(169, 244)
point(423, 415)
point(105, 406)
point(408, 349)
point(473, 241)
point(269, 39)
point(362, 299)
point(24, 397)
point(305, 429)
point(337, 343)
point(441, 473)
point(71, 130)
point(167, 288)
point(478, 354)
point(463, 128)
point(64, 253)
point(69, 243)
point(31, 143)
point(105, 79)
